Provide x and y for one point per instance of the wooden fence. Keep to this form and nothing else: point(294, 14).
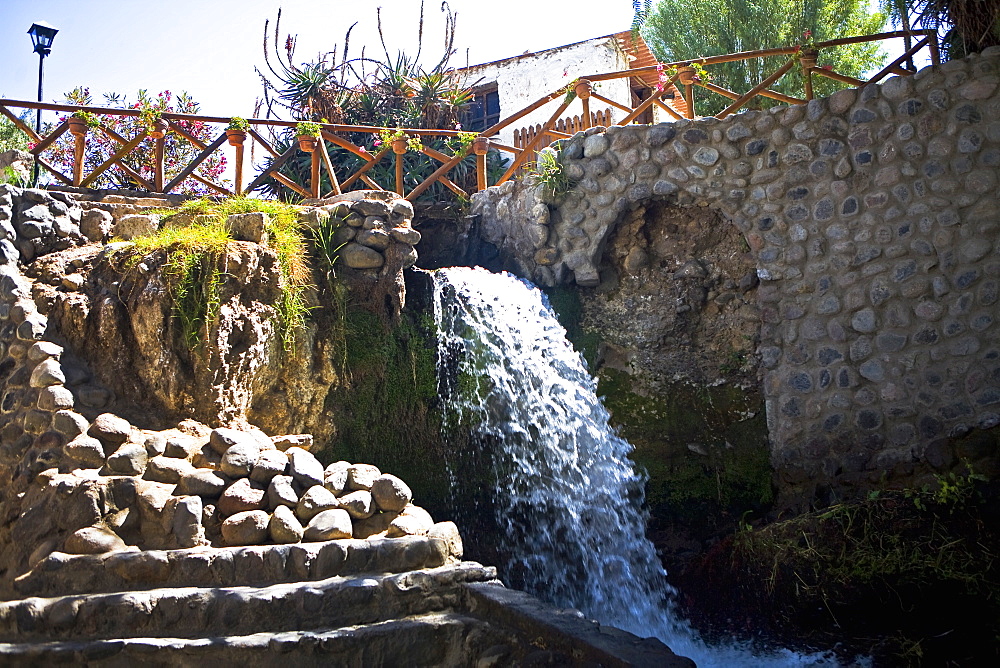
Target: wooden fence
point(680, 76)
point(685, 76)
point(173, 122)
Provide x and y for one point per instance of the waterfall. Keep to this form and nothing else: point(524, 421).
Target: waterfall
point(566, 499)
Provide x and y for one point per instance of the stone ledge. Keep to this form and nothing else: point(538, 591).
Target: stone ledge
point(568, 631)
point(64, 574)
point(197, 612)
point(439, 639)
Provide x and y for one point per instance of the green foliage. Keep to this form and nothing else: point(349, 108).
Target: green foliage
point(548, 171)
point(194, 252)
point(192, 269)
point(881, 546)
point(677, 30)
point(11, 137)
point(307, 129)
point(386, 408)
point(392, 92)
point(90, 119)
point(238, 123)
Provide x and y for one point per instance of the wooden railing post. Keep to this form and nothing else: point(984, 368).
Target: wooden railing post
point(399, 148)
point(158, 153)
point(79, 147)
point(314, 163)
point(583, 89)
point(807, 59)
point(686, 75)
point(481, 146)
point(239, 168)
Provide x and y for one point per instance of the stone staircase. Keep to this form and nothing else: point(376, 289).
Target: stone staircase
point(378, 602)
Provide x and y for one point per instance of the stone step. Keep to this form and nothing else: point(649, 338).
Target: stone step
point(64, 574)
point(196, 612)
point(435, 639)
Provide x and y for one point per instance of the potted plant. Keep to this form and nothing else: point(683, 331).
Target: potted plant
point(236, 131)
point(400, 141)
point(81, 121)
point(308, 133)
point(151, 118)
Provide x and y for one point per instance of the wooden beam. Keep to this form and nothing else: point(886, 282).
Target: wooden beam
point(360, 174)
point(122, 152)
point(55, 172)
point(343, 143)
point(529, 149)
point(52, 136)
point(753, 92)
point(329, 168)
point(842, 78)
point(193, 165)
point(214, 186)
point(21, 125)
point(176, 127)
point(606, 100)
point(271, 171)
point(887, 70)
point(440, 171)
point(263, 142)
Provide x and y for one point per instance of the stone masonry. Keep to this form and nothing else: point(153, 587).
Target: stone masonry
point(872, 217)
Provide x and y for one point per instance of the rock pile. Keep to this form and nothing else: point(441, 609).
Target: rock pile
point(375, 229)
point(199, 486)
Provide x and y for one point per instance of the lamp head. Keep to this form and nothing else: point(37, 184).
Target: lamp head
point(42, 35)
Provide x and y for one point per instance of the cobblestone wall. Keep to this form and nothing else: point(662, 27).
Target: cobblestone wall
point(873, 219)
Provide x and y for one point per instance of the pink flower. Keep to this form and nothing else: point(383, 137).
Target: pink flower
point(565, 73)
point(660, 86)
point(808, 33)
point(659, 67)
point(827, 67)
point(458, 126)
point(377, 142)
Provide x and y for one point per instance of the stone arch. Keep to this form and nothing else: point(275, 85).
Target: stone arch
point(872, 218)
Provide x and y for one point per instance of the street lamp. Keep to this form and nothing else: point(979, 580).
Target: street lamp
point(42, 35)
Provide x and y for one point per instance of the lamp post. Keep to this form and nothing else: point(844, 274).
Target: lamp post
point(42, 35)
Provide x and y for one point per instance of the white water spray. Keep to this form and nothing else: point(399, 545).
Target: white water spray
point(568, 501)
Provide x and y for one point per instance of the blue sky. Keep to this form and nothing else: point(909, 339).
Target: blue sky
point(210, 47)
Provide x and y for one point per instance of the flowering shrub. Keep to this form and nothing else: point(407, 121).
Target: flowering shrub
point(178, 151)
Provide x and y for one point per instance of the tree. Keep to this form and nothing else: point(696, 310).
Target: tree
point(964, 26)
point(679, 30)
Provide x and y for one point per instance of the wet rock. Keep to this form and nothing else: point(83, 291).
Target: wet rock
point(359, 504)
point(413, 521)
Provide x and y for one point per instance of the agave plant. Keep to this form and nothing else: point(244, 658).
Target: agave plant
point(393, 92)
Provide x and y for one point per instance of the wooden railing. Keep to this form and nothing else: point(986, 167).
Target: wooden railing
point(319, 157)
point(684, 77)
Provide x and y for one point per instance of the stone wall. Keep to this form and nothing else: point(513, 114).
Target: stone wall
point(872, 219)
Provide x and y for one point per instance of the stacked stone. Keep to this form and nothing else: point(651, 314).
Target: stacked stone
point(36, 416)
point(372, 230)
point(236, 487)
point(35, 222)
point(872, 218)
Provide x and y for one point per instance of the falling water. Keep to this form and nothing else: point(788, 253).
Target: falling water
point(567, 499)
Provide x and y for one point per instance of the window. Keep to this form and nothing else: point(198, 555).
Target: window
point(483, 111)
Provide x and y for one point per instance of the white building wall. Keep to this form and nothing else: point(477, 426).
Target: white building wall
point(522, 80)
